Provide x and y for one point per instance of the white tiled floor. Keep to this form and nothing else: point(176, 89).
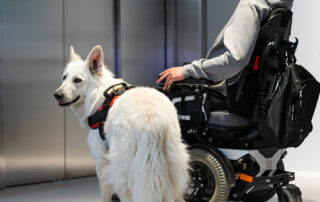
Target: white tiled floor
point(87, 190)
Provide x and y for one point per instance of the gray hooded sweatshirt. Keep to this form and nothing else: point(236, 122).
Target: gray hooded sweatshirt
point(234, 45)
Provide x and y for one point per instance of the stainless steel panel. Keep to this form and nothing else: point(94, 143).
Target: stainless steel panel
point(171, 33)
point(188, 31)
point(87, 23)
point(142, 40)
point(33, 121)
point(2, 154)
point(218, 14)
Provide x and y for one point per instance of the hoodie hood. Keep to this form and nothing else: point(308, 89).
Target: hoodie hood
point(279, 3)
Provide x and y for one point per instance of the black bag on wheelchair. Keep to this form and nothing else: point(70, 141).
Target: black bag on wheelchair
point(287, 122)
point(280, 98)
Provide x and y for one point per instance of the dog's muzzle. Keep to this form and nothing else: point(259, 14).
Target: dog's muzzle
point(68, 103)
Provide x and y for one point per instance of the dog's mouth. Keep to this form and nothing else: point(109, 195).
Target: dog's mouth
point(62, 104)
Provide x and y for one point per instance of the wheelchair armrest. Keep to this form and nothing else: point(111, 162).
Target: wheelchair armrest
point(190, 81)
point(193, 82)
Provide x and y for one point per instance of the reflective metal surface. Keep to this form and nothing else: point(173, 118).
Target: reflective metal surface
point(86, 24)
point(171, 33)
point(142, 40)
point(32, 59)
point(38, 139)
point(188, 31)
point(218, 13)
point(2, 154)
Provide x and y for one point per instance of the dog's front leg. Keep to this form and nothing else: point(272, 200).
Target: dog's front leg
point(105, 187)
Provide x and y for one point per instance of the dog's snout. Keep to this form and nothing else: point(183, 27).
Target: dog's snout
point(58, 95)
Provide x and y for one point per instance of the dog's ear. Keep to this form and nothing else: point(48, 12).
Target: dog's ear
point(73, 55)
point(95, 59)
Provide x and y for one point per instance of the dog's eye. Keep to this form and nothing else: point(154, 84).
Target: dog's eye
point(64, 77)
point(77, 80)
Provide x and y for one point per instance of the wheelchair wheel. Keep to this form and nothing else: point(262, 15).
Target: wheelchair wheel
point(292, 193)
point(263, 195)
point(208, 178)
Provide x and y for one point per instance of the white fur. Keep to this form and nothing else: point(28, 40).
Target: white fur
point(147, 160)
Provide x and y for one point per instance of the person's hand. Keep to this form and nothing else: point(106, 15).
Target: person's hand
point(171, 75)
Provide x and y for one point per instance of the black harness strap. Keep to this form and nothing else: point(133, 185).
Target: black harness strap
point(96, 121)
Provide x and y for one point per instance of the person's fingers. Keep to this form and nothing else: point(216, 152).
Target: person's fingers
point(163, 72)
point(167, 82)
point(164, 76)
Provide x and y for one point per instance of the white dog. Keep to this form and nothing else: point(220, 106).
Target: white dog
point(143, 158)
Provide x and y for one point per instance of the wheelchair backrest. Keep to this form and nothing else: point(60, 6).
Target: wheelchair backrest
point(259, 76)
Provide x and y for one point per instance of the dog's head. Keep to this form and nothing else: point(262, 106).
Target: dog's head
point(78, 76)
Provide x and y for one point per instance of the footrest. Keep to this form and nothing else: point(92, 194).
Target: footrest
point(280, 177)
point(284, 178)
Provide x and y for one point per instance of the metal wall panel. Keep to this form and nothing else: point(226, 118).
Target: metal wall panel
point(87, 23)
point(198, 24)
point(171, 33)
point(188, 31)
point(33, 121)
point(142, 40)
point(2, 154)
point(218, 14)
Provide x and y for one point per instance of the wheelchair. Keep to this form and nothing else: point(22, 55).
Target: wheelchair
point(229, 160)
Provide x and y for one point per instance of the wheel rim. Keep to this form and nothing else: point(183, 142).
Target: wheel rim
point(203, 183)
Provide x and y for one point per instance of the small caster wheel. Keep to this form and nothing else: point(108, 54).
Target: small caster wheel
point(291, 193)
point(115, 198)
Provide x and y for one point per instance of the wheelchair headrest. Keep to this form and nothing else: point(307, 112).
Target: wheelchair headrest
point(277, 23)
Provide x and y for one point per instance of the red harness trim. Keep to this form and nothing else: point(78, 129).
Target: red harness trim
point(114, 99)
point(256, 63)
point(94, 126)
point(96, 121)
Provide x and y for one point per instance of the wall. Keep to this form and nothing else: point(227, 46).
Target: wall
point(150, 34)
point(142, 40)
point(40, 141)
point(2, 149)
point(305, 27)
point(32, 60)
point(86, 24)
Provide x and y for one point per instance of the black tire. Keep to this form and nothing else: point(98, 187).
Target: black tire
point(263, 195)
point(209, 181)
point(291, 196)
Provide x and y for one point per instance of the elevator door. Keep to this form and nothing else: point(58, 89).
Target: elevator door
point(218, 14)
point(87, 24)
point(33, 122)
point(2, 151)
point(142, 40)
point(188, 31)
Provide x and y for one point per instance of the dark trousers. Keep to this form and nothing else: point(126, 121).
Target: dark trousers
point(218, 101)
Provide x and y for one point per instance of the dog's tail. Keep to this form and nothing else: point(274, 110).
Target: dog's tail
point(159, 170)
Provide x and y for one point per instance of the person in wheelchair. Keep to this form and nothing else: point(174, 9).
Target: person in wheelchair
point(232, 49)
point(261, 102)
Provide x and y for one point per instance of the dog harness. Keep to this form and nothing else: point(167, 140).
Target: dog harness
point(97, 120)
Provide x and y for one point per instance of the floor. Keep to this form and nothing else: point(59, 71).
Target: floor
point(87, 189)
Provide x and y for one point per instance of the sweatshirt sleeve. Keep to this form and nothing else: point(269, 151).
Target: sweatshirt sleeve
point(239, 40)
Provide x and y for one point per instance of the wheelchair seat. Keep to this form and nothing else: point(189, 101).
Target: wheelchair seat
point(227, 119)
point(224, 122)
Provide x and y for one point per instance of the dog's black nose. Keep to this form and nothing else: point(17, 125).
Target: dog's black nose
point(58, 95)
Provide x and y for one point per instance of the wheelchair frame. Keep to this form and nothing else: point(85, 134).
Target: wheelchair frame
point(231, 165)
